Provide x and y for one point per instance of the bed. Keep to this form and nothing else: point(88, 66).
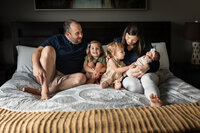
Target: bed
point(87, 108)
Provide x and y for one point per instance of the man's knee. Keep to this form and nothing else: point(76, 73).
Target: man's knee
point(48, 51)
point(80, 79)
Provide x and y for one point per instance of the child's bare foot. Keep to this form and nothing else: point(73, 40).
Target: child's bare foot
point(32, 90)
point(91, 81)
point(103, 84)
point(155, 101)
point(118, 85)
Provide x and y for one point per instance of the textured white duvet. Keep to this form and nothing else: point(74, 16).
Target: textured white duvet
point(88, 97)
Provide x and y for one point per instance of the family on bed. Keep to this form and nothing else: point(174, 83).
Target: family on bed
point(129, 62)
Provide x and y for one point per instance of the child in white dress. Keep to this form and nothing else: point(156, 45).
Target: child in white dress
point(115, 67)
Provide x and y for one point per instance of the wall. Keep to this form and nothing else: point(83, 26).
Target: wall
point(176, 11)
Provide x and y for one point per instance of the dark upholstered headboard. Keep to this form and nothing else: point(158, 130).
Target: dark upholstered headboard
point(34, 33)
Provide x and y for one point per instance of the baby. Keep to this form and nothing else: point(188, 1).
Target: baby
point(150, 56)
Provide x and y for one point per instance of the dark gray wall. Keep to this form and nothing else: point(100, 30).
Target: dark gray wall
point(176, 11)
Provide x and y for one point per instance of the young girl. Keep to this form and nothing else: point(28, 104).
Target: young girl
point(95, 62)
point(115, 67)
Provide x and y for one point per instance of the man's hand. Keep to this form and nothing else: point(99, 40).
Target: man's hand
point(40, 74)
point(139, 71)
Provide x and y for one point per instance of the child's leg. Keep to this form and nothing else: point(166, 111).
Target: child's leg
point(32, 90)
point(118, 85)
point(101, 69)
point(90, 76)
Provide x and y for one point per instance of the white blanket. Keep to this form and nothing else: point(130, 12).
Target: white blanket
point(88, 97)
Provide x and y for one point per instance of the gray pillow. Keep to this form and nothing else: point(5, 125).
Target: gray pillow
point(24, 58)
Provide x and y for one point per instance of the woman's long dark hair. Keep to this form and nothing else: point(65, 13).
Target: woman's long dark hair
point(135, 29)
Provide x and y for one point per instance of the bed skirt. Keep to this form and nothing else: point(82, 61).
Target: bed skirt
point(170, 118)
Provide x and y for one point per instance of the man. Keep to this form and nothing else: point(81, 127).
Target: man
point(57, 63)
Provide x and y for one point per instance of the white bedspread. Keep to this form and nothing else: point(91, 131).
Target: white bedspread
point(88, 97)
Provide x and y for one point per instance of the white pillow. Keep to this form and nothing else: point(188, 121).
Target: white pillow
point(24, 58)
point(161, 48)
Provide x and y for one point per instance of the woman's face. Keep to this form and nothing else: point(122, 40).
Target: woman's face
point(131, 39)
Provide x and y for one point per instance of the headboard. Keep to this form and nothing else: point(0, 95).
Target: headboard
point(34, 33)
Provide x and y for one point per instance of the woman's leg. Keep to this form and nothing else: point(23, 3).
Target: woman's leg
point(150, 82)
point(132, 84)
point(151, 91)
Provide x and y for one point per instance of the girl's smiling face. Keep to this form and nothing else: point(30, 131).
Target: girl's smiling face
point(95, 50)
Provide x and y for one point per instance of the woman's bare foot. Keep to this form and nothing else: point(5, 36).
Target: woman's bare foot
point(103, 84)
point(32, 90)
point(155, 101)
point(118, 85)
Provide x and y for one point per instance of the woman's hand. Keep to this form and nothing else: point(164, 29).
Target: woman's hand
point(139, 71)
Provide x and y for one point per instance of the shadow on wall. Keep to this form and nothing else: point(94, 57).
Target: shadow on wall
point(6, 51)
point(179, 45)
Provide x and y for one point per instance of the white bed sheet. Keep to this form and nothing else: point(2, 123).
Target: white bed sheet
point(88, 97)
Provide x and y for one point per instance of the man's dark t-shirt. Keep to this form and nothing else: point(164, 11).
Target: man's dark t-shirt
point(69, 57)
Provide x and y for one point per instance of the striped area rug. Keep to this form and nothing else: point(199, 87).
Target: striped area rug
point(170, 118)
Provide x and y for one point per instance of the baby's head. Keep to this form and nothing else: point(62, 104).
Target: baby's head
point(153, 54)
point(115, 49)
point(94, 50)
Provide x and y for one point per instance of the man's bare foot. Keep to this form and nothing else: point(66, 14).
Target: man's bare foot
point(32, 90)
point(103, 84)
point(155, 101)
point(44, 95)
point(118, 85)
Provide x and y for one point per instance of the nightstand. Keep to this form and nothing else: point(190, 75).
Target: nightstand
point(6, 72)
point(188, 72)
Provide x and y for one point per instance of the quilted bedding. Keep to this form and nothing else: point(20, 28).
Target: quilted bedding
point(89, 97)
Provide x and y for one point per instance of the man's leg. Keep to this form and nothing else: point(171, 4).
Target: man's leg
point(47, 60)
point(73, 80)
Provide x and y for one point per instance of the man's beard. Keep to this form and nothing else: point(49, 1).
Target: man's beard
point(75, 41)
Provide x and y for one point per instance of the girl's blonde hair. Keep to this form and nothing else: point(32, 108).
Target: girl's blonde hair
point(112, 48)
point(89, 56)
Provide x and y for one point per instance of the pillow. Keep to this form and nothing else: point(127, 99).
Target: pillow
point(24, 58)
point(161, 48)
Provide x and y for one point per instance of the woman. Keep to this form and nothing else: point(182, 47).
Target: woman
point(143, 79)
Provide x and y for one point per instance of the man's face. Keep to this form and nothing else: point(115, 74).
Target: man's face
point(75, 35)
